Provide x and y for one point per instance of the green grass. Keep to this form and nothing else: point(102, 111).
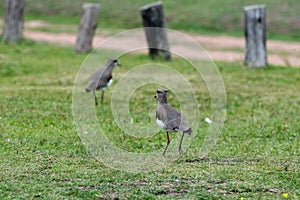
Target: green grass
point(204, 17)
point(257, 154)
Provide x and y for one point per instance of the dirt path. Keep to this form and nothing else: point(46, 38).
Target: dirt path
point(219, 48)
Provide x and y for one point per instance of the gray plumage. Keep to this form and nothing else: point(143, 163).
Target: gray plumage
point(102, 78)
point(169, 119)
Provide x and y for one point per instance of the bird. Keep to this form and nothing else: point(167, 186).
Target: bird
point(102, 78)
point(169, 119)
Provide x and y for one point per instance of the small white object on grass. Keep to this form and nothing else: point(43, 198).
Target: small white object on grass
point(207, 120)
point(85, 132)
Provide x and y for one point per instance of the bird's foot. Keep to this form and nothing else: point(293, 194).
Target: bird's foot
point(164, 151)
point(180, 150)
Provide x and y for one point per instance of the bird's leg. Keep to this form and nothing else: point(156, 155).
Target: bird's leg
point(96, 102)
point(167, 143)
point(180, 148)
point(102, 97)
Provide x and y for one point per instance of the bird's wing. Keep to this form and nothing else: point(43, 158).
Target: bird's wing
point(176, 120)
point(105, 77)
point(100, 78)
point(94, 79)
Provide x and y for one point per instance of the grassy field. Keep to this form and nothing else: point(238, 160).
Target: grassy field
point(209, 17)
point(257, 155)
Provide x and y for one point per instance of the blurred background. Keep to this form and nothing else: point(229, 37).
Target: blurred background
point(201, 17)
point(256, 156)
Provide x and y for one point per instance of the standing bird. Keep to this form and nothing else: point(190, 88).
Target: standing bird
point(169, 119)
point(102, 78)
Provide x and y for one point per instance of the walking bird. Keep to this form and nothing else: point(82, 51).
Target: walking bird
point(169, 119)
point(102, 78)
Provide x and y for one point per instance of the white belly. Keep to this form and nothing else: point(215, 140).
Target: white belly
point(108, 84)
point(160, 124)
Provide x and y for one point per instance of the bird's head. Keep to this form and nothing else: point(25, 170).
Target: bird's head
point(114, 62)
point(161, 95)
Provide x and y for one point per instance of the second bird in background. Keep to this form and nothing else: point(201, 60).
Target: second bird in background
point(102, 78)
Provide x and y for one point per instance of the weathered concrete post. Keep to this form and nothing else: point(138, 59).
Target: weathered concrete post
point(87, 27)
point(255, 33)
point(13, 20)
point(154, 25)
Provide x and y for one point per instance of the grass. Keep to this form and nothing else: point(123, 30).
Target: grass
point(257, 154)
point(209, 17)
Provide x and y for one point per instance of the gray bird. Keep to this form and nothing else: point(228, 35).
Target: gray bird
point(169, 119)
point(102, 78)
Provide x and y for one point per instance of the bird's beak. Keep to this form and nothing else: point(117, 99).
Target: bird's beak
point(119, 65)
point(155, 96)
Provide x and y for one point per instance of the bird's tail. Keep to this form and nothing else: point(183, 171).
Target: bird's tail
point(188, 131)
point(88, 89)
